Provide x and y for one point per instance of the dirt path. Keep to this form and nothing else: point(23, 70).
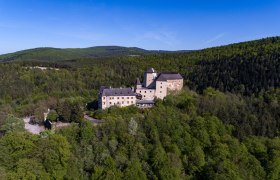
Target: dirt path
point(94, 121)
point(34, 129)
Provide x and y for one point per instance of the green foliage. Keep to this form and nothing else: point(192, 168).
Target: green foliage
point(70, 111)
point(26, 156)
point(52, 116)
point(55, 153)
point(228, 131)
point(180, 138)
point(16, 146)
point(12, 124)
point(134, 171)
point(3, 174)
point(29, 169)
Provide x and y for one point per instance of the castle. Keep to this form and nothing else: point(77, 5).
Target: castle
point(143, 94)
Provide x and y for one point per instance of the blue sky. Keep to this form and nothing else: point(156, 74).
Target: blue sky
point(148, 24)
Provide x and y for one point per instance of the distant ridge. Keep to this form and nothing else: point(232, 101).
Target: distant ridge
point(57, 54)
point(52, 55)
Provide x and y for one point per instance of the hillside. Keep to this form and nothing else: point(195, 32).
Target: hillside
point(56, 54)
point(70, 55)
point(225, 124)
point(247, 68)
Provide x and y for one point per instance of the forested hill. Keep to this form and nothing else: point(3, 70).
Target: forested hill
point(56, 54)
point(248, 49)
point(224, 124)
point(247, 68)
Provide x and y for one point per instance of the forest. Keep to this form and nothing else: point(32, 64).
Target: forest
point(225, 124)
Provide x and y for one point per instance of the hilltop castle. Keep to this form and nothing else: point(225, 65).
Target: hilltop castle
point(143, 94)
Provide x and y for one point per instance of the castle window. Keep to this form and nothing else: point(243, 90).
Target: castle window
point(127, 102)
point(160, 92)
point(118, 98)
point(145, 91)
point(160, 86)
point(110, 102)
point(150, 91)
point(104, 103)
point(140, 91)
point(122, 97)
point(131, 102)
point(104, 98)
point(127, 98)
point(131, 97)
point(123, 102)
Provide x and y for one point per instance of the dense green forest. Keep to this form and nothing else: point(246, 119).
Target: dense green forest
point(225, 124)
point(183, 137)
point(58, 54)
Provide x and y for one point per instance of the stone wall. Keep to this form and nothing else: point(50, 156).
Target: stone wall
point(122, 101)
point(161, 89)
point(175, 85)
point(147, 94)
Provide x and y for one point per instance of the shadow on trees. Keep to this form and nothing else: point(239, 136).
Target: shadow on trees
point(93, 105)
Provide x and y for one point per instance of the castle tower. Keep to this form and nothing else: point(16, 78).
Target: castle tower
point(138, 84)
point(149, 77)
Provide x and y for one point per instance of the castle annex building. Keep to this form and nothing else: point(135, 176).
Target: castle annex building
point(116, 97)
point(144, 93)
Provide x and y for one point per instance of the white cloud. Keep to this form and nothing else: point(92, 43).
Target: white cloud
point(166, 37)
point(215, 38)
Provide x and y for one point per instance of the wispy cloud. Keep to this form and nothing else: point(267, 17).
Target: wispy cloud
point(215, 38)
point(165, 37)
